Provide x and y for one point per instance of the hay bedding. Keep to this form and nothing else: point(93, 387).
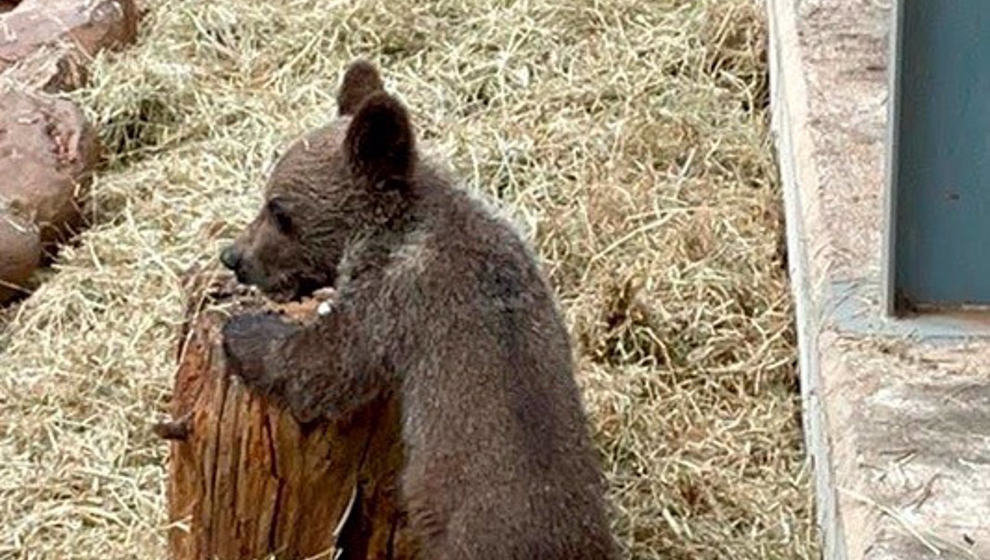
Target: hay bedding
point(631, 134)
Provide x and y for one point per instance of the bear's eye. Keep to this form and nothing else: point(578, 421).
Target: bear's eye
point(280, 217)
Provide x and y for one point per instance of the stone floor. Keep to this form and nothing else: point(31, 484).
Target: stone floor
point(897, 413)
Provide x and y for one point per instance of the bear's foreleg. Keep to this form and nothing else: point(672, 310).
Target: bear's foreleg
point(306, 368)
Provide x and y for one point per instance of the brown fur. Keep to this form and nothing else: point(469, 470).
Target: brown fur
point(360, 81)
point(441, 305)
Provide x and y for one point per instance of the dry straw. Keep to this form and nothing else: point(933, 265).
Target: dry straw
point(632, 134)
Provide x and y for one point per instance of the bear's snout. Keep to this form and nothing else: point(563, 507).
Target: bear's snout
point(231, 258)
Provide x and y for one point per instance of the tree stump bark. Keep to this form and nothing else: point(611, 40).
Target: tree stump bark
point(247, 481)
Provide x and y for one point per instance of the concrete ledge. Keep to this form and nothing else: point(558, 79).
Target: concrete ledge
point(896, 413)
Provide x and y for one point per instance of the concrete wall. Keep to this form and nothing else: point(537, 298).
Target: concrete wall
point(896, 413)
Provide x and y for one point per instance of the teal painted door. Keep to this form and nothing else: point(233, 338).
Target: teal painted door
point(941, 158)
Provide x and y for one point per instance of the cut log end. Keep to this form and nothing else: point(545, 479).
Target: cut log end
point(247, 481)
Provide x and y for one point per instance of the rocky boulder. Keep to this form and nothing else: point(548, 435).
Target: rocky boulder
point(20, 254)
point(46, 43)
point(48, 152)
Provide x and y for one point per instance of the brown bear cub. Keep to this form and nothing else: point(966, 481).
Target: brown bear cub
point(439, 304)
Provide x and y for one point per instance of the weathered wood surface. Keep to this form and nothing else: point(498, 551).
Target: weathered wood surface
point(247, 481)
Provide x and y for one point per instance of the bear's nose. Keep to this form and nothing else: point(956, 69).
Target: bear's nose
point(230, 257)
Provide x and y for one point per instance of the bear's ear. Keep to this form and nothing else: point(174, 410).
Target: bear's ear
point(379, 143)
point(360, 80)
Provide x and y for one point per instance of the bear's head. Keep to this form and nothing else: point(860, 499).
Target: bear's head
point(331, 188)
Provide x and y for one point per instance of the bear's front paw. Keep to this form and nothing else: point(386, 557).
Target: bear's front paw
point(247, 340)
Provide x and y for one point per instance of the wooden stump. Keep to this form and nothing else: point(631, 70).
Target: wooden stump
point(247, 481)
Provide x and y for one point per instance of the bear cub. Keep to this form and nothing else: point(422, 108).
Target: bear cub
point(439, 304)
